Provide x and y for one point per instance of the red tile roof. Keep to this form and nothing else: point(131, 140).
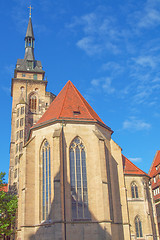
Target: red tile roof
point(130, 169)
point(70, 105)
point(4, 188)
point(156, 161)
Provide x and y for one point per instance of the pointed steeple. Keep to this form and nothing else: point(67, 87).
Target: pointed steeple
point(29, 44)
point(29, 63)
point(29, 32)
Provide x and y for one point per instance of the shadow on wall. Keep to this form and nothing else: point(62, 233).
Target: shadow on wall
point(55, 227)
point(114, 195)
point(59, 225)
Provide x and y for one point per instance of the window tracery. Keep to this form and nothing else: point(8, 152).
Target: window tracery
point(33, 103)
point(134, 190)
point(138, 227)
point(78, 179)
point(46, 179)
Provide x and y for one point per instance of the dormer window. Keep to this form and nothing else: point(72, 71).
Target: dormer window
point(154, 179)
point(76, 112)
point(30, 64)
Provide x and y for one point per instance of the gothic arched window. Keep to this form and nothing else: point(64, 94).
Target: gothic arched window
point(33, 103)
point(46, 179)
point(78, 178)
point(138, 227)
point(134, 190)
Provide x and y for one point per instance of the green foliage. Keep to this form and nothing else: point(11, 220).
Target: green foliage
point(8, 206)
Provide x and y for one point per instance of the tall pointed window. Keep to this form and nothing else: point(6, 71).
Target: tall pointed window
point(78, 178)
point(46, 179)
point(33, 103)
point(134, 190)
point(138, 227)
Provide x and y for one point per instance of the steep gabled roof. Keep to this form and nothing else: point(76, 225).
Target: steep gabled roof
point(130, 169)
point(70, 105)
point(155, 163)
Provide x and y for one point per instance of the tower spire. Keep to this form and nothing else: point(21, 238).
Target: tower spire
point(29, 40)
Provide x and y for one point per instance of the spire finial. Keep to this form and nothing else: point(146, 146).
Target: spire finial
point(30, 9)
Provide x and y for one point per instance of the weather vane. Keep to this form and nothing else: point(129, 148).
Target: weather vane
point(30, 9)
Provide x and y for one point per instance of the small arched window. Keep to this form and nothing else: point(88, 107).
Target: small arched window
point(78, 178)
point(22, 89)
point(134, 190)
point(138, 227)
point(33, 103)
point(46, 179)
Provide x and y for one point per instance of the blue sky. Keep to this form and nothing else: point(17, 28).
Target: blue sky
point(110, 50)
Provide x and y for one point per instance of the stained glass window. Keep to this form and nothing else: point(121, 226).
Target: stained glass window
point(46, 179)
point(138, 227)
point(78, 179)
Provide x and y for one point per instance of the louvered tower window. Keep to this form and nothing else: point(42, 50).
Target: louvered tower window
point(78, 178)
point(46, 180)
point(134, 190)
point(33, 103)
point(138, 227)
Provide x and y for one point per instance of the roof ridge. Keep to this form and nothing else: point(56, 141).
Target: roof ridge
point(64, 99)
point(81, 99)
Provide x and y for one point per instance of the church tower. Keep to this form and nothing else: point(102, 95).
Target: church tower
point(29, 101)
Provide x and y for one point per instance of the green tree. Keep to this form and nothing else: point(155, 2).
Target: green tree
point(8, 206)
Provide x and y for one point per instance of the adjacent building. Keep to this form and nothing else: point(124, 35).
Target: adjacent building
point(154, 173)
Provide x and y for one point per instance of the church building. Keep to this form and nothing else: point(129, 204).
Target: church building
point(72, 181)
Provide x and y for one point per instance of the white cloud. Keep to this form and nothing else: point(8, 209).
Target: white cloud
point(95, 82)
point(107, 86)
point(99, 32)
point(145, 80)
point(151, 18)
point(104, 84)
point(135, 124)
point(89, 46)
point(146, 16)
point(137, 159)
point(146, 61)
point(113, 67)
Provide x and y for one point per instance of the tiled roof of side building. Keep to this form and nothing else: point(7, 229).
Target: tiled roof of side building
point(156, 161)
point(70, 105)
point(4, 188)
point(130, 169)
